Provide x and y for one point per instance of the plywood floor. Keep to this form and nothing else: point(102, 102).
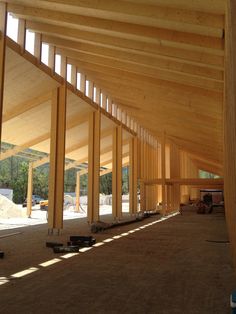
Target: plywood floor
point(167, 267)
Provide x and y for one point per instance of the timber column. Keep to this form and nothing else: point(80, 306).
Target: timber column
point(77, 192)
point(3, 22)
point(30, 189)
point(163, 173)
point(175, 174)
point(117, 173)
point(230, 124)
point(57, 159)
point(94, 166)
point(133, 175)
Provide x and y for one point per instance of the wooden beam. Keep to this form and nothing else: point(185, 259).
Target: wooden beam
point(157, 62)
point(117, 173)
point(3, 21)
point(186, 181)
point(124, 29)
point(130, 45)
point(144, 13)
point(57, 159)
point(94, 166)
point(181, 78)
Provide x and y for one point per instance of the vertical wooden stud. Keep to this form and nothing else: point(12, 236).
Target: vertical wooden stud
point(21, 34)
point(98, 96)
point(133, 165)
point(109, 105)
point(77, 192)
point(51, 57)
point(3, 21)
point(57, 159)
point(74, 75)
point(104, 102)
point(117, 173)
point(37, 46)
point(230, 124)
point(82, 83)
point(29, 190)
point(94, 166)
point(90, 89)
point(163, 173)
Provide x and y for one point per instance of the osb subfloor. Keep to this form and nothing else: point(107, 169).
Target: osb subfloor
point(180, 265)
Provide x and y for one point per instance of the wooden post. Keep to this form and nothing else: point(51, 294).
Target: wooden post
point(82, 83)
point(142, 161)
point(117, 173)
point(63, 66)
point(133, 176)
point(90, 89)
point(109, 105)
point(98, 96)
point(30, 190)
point(74, 75)
point(51, 57)
point(104, 102)
point(77, 192)
point(94, 166)
point(114, 110)
point(230, 124)
point(21, 34)
point(57, 159)
point(38, 46)
point(175, 173)
point(163, 173)
point(3, 21)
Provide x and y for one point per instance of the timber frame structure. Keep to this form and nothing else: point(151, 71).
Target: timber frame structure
point(151, 85)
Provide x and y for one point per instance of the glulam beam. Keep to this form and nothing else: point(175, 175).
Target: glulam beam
point(123, 29)
point(206, 59)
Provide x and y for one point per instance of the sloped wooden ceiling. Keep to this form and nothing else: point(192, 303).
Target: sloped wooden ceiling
point(160, 60)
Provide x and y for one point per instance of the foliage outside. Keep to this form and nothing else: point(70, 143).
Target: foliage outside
point(14, 175)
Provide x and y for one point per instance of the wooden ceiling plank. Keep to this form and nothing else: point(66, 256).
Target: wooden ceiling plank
point(81, 118)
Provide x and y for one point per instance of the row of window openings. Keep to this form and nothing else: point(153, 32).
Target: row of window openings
point(12, 32)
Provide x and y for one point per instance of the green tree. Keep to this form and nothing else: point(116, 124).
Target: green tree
point(19, 183)
point(106, 184)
